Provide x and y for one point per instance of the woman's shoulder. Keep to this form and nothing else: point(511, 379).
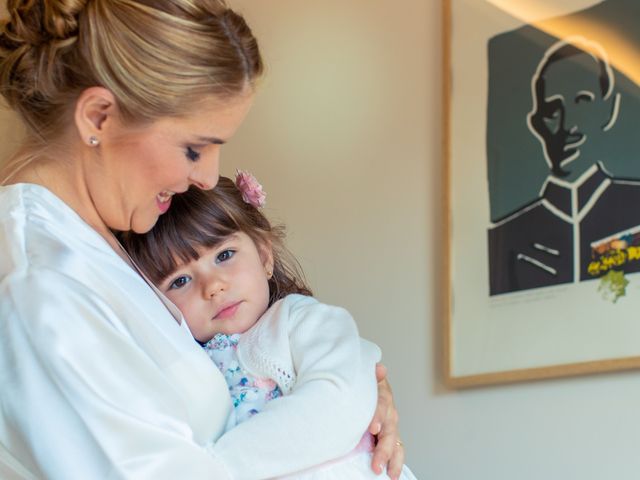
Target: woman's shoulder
point(52, 262)
point(39, 232)
point(96, 298)
point(23, 198)
point(32, 204)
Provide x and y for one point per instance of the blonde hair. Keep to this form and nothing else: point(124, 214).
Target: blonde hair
point(158, 57)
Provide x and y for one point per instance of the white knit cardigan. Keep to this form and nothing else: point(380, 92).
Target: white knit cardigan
point(312, 351)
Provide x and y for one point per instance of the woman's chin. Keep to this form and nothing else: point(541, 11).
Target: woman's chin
point(141, 227)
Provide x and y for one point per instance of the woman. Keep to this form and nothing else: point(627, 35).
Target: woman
point(127, 102)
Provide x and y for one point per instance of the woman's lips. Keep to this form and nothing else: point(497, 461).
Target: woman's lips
point(227, 312)
point(163, 202)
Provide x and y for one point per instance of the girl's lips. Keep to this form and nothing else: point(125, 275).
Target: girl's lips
point(227, 312)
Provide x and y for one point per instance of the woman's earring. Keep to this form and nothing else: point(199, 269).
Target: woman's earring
point(269, 274)
point(94, 141)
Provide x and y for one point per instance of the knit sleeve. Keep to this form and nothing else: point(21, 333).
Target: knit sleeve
point(329, 405)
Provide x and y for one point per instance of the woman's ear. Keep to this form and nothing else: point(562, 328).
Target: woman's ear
point(265, 249)
point(94, 108)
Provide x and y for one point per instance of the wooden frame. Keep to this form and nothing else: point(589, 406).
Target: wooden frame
point(505, 331)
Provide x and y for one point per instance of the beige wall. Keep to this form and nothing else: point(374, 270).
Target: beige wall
point(345, 135)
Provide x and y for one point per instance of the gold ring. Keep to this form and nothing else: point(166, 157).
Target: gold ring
point(399, 443)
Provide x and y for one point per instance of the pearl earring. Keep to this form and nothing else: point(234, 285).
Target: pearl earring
point(94, 141)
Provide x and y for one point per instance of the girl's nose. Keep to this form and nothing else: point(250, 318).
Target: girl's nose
point(214, 286)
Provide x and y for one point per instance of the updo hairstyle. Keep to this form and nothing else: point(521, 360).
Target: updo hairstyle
point(158, 57)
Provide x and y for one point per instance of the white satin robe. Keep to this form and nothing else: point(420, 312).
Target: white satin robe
point(99, 381)
point(97, 378)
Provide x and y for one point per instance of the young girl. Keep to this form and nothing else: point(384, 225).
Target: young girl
point(217, 257)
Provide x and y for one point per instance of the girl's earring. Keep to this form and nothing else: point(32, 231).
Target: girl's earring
point(94, 141)
point(269, 274)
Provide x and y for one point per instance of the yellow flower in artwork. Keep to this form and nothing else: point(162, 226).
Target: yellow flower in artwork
point(613, 285)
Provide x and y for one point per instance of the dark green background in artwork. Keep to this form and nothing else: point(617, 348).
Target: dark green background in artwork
point(516, 164)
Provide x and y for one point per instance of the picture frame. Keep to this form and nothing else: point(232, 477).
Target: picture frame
point(541, 238)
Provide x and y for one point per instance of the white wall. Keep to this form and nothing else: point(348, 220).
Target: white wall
point(346, 136)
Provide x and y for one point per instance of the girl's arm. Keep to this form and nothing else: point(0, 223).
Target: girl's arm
point(331, 403)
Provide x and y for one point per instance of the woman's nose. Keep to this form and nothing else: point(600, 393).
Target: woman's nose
point(206, 171)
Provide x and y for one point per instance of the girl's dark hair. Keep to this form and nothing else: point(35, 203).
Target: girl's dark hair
point(201, 219)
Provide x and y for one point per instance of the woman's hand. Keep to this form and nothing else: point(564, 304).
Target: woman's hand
point(389, 451)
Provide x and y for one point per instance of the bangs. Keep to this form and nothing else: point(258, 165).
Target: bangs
point(196, 221)
point(200, 220)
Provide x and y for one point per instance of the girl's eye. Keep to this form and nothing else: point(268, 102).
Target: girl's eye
point(179, 282)
point(192, 154)
point(224, 256)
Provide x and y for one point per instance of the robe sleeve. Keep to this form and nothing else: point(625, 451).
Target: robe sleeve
point(81, 395)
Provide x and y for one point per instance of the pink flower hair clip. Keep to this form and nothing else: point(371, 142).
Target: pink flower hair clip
point(251, 189)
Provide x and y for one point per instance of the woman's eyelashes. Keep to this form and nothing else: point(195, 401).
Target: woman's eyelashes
point(225, 255)
point(179, 282)
point(192, 154)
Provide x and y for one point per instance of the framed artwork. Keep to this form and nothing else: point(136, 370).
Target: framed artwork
point(542, 147)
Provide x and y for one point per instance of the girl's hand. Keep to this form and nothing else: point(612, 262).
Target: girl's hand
point(389, 451)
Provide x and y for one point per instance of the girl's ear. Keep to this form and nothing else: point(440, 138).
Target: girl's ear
point(265, 249)
point(94, 108)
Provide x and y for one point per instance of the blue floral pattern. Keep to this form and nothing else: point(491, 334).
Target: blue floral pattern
point(248, 393)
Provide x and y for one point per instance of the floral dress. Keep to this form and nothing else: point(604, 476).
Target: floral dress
point(248, 393)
